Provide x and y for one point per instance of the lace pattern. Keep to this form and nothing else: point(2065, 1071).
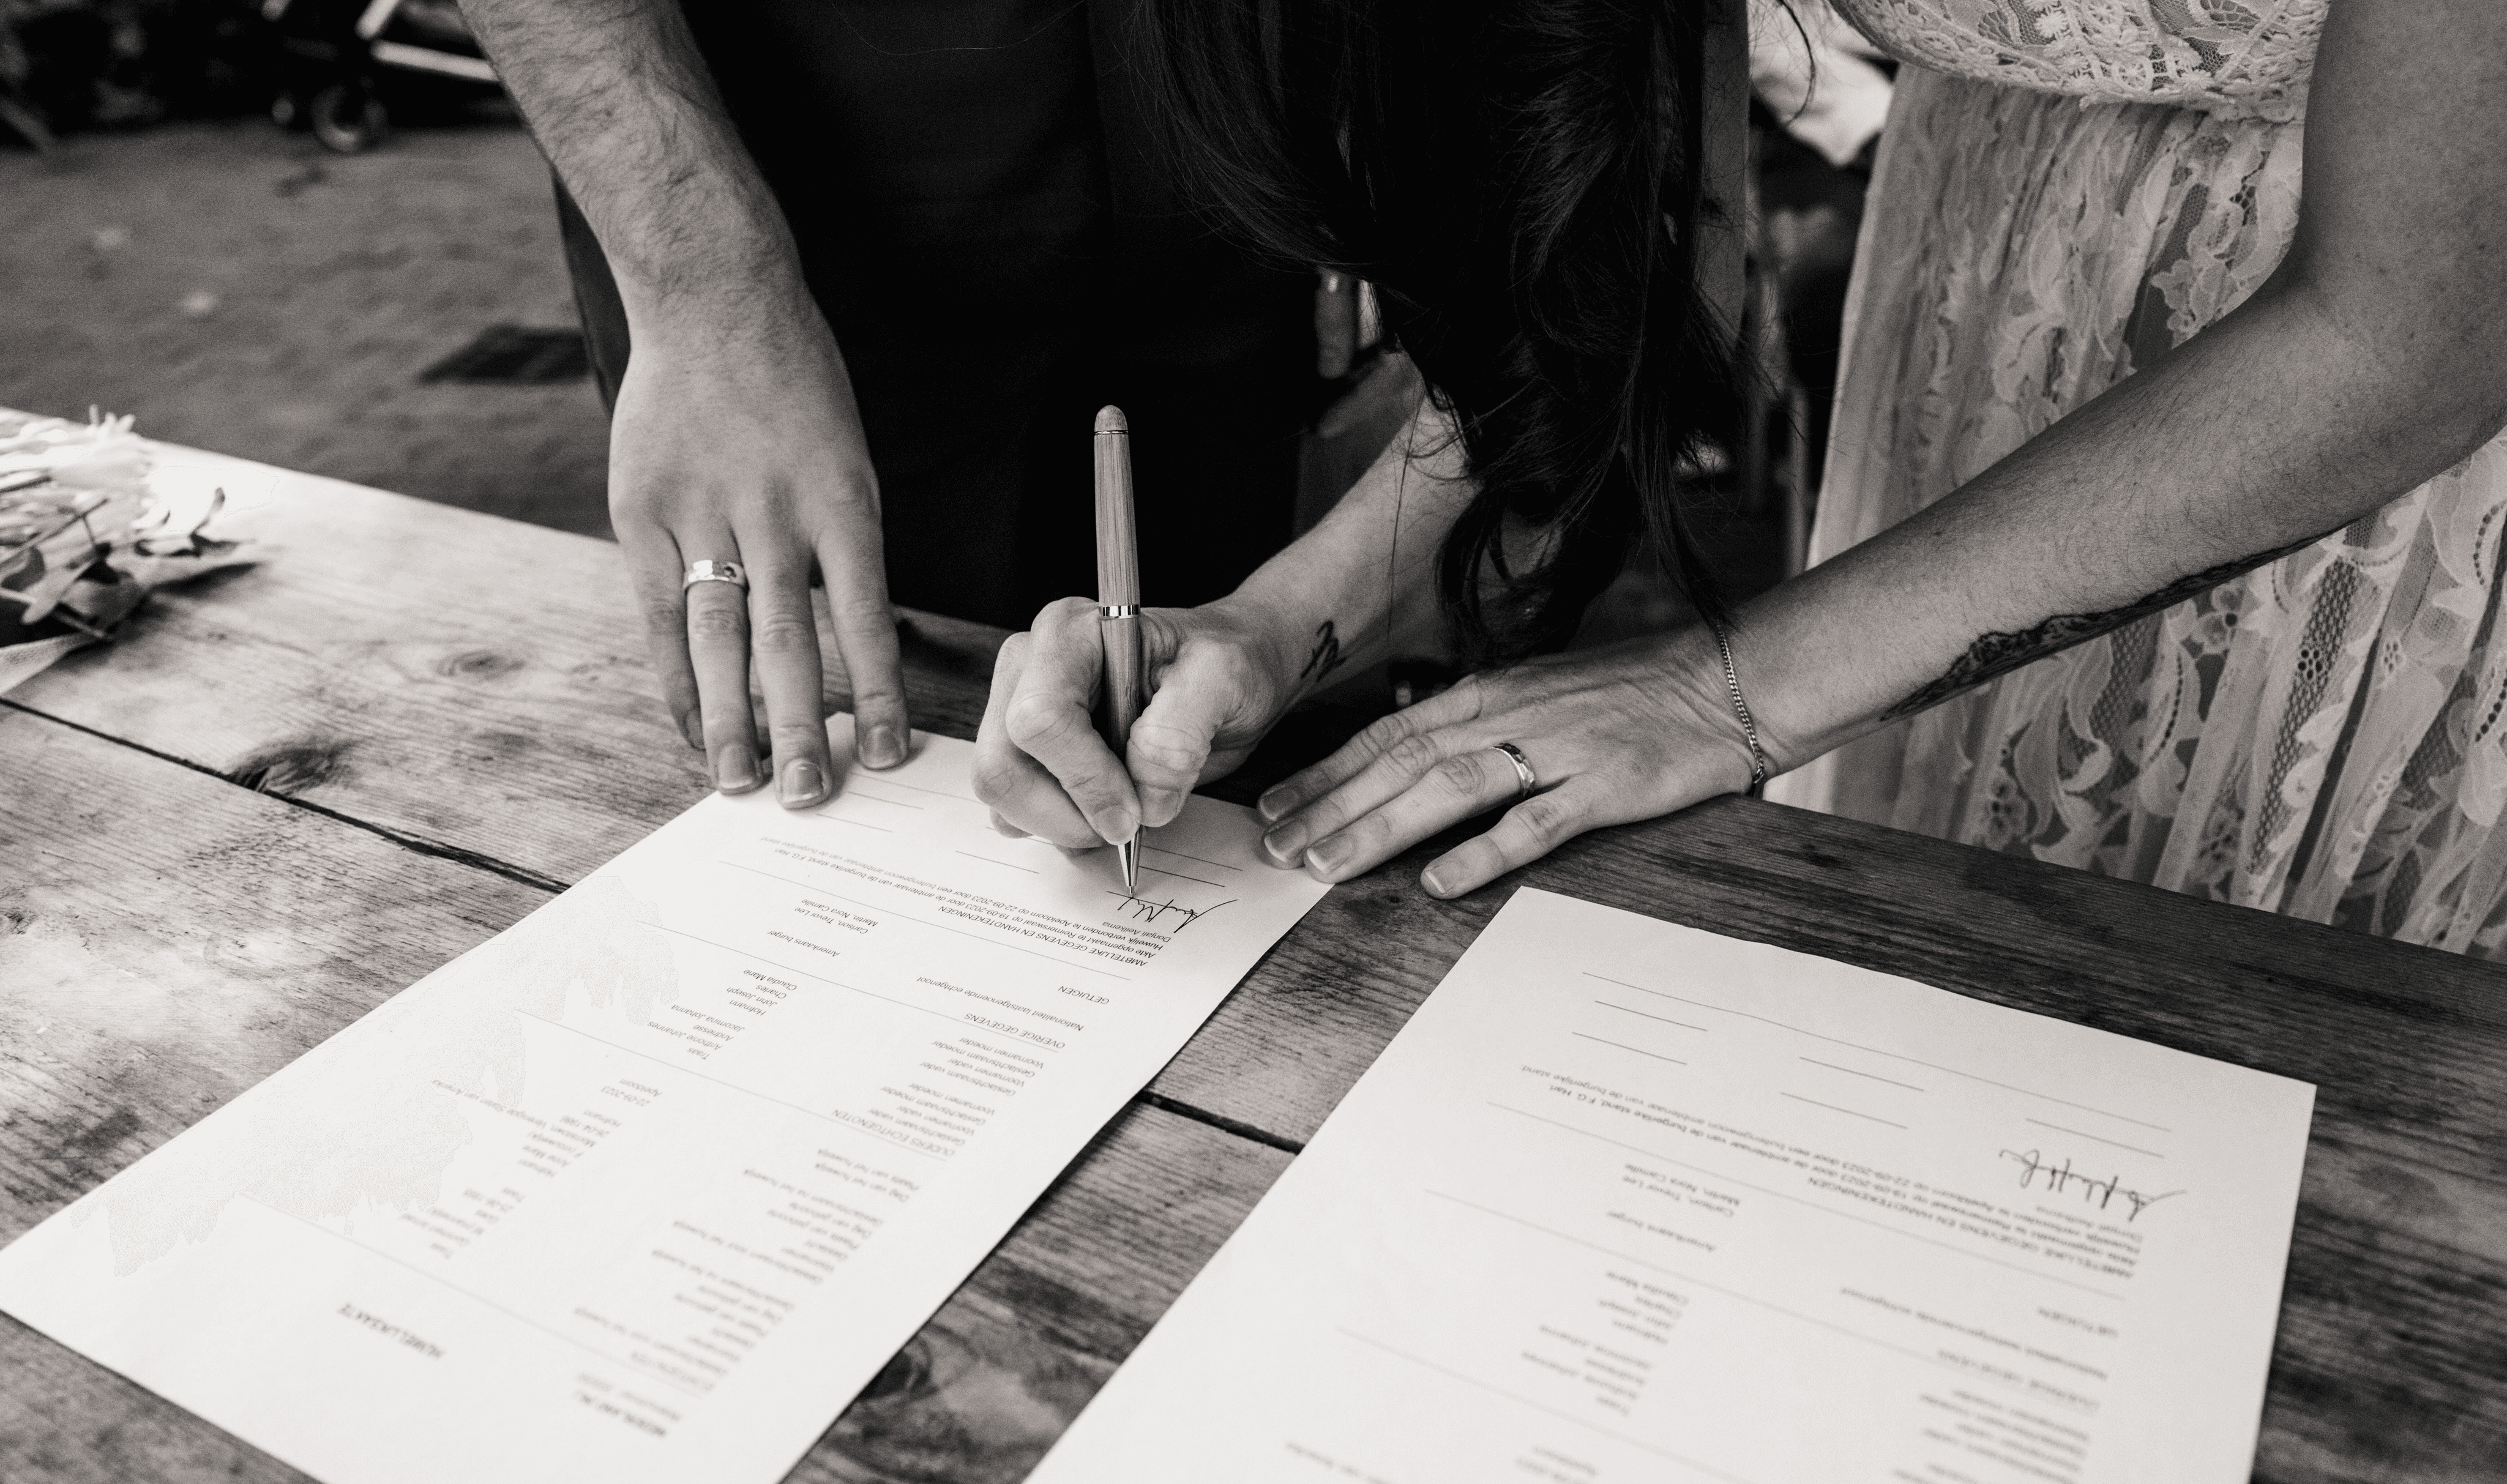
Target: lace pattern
point(2239, 57)
point(2326, 736)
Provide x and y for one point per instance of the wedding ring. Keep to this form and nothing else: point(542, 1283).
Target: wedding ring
point(714, 572)
point(1524, 776)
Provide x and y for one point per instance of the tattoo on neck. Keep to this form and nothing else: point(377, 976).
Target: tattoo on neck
point(1996, 654)
point(1327, 656)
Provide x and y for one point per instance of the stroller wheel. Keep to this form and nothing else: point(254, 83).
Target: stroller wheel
point(348, 120)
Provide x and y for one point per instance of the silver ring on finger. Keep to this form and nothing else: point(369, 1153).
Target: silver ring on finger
point(1526, 780)
point(714, 572)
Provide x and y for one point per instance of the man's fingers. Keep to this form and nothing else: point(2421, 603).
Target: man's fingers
point(1048, 716)
point(1022, 797)
point(719, 652)
point(1459, 704)
point(783, 641)
point(865, 627)
point(653, 565)
point(1466, 781)
point(1529, 831)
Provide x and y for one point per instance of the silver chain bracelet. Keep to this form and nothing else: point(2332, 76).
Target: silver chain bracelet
point(1741, 708)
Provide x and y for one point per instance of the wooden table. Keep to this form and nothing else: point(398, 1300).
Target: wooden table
point(293, 790)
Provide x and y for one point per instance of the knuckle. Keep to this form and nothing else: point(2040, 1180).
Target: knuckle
point(1546, 818)
point(784, 633)
point(1036, 721)
point(717, 621)
point(997, 778)
point(1412, 755)
point(1168, 748)
point(1460, 775)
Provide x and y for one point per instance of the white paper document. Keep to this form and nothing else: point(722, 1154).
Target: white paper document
point(1631, 1202)
point(648, 1187)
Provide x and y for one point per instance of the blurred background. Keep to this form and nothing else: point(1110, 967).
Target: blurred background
point(316, 235)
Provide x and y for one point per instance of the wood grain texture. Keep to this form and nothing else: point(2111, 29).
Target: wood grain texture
point(178, 939)
point(477, 686)
point(455, 678)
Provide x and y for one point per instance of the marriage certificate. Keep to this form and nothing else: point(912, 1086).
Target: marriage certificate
point(648, 1187)
point(1627, 1201)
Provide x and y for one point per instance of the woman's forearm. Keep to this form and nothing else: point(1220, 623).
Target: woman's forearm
point(2368, 364)
point(1360, 588)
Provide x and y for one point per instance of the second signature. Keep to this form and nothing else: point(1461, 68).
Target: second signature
point(2036, 1171)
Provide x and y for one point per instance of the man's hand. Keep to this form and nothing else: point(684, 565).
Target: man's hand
point(735, 437)
point(746, 447)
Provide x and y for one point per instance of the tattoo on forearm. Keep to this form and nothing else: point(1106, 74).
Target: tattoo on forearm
point(1995, 654)
point(1327, 656)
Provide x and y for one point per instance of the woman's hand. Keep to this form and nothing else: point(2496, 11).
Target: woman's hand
point(1625, 733)
point(744, 446)
point(1220, 675)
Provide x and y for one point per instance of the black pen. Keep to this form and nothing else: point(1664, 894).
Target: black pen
point(1119, 604)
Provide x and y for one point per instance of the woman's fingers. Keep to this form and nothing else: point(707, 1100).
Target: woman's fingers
point(1458, 703)
point(1171, 741)
point(1024, 797)
point(1465, 781)
point(1529, 831)
point(1048, 716)
point(784, 645)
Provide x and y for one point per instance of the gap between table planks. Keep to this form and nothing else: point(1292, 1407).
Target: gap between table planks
point(173, 940)
point(316, 679)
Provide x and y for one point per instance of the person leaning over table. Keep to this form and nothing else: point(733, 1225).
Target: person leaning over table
point(2347, 354)
point(880, 264)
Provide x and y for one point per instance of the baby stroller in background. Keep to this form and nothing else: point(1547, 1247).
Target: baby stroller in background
point(340, 57)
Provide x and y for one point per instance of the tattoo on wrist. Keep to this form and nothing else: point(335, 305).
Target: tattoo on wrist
point(1996, 654)
point(1327, 653)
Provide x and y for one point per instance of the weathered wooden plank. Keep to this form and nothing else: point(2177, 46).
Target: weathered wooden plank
point(171, 940)
point(454, 678)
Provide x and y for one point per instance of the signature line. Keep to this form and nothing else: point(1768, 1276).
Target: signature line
point(1624, 1046)
point(2059, 1129)
point(1874, 1076)
point(1665, 1019)
point(988, 860)
point(1876, 1051)
point(1833, 1108)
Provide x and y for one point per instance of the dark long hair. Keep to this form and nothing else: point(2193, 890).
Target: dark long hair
point(1519, 181)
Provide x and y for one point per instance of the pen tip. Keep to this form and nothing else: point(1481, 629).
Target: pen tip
point(1111, 420)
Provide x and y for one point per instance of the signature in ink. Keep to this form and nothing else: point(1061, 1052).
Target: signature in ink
point(1142, 909)
point(2062, 1180)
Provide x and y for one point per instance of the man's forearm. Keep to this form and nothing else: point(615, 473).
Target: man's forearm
point(624, 107)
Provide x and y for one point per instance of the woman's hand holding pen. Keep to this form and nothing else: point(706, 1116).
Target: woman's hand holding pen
point(1221, 675)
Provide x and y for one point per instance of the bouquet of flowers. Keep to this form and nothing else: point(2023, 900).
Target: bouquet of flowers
point(83, 539)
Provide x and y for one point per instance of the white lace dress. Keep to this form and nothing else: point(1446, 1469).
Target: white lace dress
point(2067, 189)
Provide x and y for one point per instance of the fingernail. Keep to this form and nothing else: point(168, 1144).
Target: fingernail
point(1271, 806)
point(1120, 827)
point(1331, 855)
point(1160, 804)
point(1283, 844)
point(1435, 884)
point(803, 784)
point(692, 727)
point(736, 772)
point(883, 748)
